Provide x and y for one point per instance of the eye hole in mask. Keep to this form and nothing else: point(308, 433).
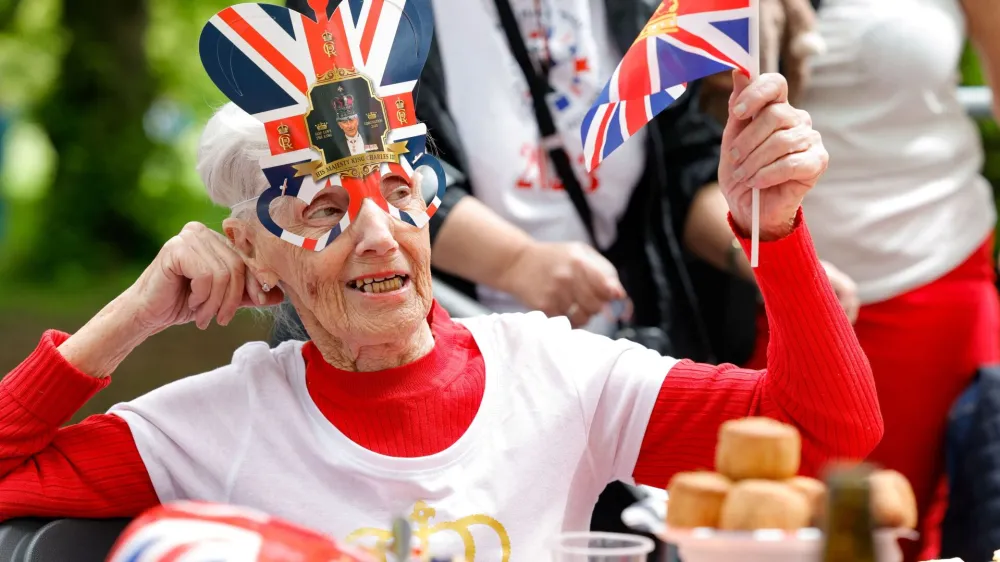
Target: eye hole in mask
point(311, 215)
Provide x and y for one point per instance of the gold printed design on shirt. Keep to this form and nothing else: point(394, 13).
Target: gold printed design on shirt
point(423, 530)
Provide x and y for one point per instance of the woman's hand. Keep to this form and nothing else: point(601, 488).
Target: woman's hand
point(196, 276)
point(771, 146)
point(564, 279)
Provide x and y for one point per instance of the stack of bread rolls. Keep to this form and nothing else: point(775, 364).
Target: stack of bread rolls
point(755, 485)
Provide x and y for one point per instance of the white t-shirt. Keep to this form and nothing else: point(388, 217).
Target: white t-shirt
point(491, 104)
point(903, 201)
point(563, 414)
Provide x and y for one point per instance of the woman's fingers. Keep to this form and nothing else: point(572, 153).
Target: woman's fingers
point(225, 271)
point(191, 268)
point(578, 318)
point(735, 125)
point(803, 167)
point(253, 292)
point(237, 278)
point(586, 299)
point(220, 278)
point(201, 281)
point(779, 144)
point(776, 117)
point(234, 293)
point(762, 92)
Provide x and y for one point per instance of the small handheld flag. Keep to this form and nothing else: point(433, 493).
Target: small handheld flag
point(684, 40)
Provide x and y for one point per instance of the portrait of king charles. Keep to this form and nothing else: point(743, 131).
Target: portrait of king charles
point(346, 119)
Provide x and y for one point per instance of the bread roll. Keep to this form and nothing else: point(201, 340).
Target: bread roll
point(696, 499)
point(762, 504)
point(893, 502)
point(759, 448)
point(813, 491)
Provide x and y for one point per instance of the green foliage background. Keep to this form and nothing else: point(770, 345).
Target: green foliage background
point(61, 227)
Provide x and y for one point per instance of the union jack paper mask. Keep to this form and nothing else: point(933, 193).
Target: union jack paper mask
point(335, 95)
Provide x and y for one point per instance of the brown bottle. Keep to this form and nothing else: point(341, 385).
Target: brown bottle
point(848, 534)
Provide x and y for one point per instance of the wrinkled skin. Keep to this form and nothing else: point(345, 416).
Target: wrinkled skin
point(349, 326)
point(768, 146)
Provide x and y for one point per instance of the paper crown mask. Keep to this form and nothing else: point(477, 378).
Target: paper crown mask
point(307, 80)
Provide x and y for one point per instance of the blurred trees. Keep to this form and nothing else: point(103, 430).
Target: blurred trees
point(94, 120)
point(106, 100)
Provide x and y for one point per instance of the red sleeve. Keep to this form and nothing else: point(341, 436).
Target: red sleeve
point(91, 469)
point(817, 377)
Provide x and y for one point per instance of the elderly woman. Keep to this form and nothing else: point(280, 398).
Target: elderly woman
point(506, 427)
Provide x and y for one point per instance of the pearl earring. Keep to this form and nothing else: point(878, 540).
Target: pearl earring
point(266, 288)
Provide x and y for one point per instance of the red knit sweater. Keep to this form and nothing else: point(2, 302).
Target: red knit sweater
point(817, 379)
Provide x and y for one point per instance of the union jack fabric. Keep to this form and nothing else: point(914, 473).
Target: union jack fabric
point(205, 532)
point(683, 41)
point(266, 58)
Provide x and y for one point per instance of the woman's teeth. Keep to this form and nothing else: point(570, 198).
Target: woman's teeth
point(379, 284)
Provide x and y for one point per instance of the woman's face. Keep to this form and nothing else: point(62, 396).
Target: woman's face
point(372, 285)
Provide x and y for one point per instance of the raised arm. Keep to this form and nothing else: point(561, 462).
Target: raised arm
point(817, 376)
point(93, 469)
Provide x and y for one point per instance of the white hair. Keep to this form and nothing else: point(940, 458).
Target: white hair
point(231, 147)
point(229, 154)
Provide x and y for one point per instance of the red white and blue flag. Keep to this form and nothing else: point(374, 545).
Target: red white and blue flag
point(207, 532)
point(683, 41)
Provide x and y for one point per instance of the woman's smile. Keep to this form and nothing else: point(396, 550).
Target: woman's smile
point(380, 285)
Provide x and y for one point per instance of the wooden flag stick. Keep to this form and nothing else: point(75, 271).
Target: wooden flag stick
point(754, 74)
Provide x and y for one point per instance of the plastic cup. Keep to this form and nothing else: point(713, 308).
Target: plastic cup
point(601, 547)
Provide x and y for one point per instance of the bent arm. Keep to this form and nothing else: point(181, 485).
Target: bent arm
point(91, 469)
point(478, 245)
point(817, 378)
point(708, 236)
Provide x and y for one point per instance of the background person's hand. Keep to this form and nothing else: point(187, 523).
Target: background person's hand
point(770, 146)
point(845, 289)
point(196, 276)
point(564, 279)
point(788, 39)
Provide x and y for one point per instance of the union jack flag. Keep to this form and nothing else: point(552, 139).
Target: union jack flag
point(265, 59)
point(206, 532)
point(683, 41)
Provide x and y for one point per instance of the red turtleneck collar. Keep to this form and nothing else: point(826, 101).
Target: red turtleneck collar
point(411, 411)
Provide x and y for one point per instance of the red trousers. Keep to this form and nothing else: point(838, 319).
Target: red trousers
point(924, 347)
